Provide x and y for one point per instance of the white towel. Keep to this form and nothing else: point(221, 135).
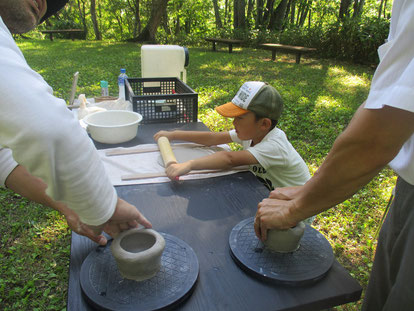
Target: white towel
point(148, 162)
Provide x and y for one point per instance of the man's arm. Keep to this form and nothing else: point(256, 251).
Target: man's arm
point(125, 216)
point(33, 188)
point(199, 137)
point(371, 140)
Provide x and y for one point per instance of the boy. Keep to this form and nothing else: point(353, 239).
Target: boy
point(256, 109)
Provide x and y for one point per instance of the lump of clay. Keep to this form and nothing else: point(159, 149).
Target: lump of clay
point(285, 241)
point(85, 108)
point(137, 253)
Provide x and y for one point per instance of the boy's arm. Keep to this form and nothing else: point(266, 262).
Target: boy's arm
point(219, 160)
point(198, 137)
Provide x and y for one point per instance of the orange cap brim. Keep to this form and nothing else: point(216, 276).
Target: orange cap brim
point(230, 110)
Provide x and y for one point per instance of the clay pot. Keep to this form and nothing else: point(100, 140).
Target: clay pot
point(137, 253)
point(285, 241)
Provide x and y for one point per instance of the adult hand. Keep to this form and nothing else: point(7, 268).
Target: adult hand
point(79, 227)
point(126, 216)
point(162, 133)
point(175, 170)
point(273, 212)
point(286, 193)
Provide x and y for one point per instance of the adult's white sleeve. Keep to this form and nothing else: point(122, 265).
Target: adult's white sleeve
point(7, 165)
point(48, 141)
point(393, 81)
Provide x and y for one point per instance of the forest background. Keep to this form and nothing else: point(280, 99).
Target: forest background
point(344, 29)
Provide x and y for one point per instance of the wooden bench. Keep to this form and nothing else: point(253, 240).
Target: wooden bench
point(72, 32)
point(230, 42)
point(298, 50)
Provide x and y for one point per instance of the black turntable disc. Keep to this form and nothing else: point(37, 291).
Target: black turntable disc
point(306, 265)
point(105, 289)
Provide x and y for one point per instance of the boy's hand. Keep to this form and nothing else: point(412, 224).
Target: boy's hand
point(167, 134)
point(175, 170)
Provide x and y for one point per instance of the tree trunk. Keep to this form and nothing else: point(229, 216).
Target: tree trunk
point(259, 14)
point(82, 16)
point(98, 35)
point(278, 15)
point(150, 30)
point(267, 12)
point(304, 13)
point(165, 24)
point(239, 15)
point(344, 8)
point(120, 23)
point(380, 8)
point(358, 7)
point(177, 26)
point(292, 9)
point(250, 8)
point(137, 20)
point(219, 25)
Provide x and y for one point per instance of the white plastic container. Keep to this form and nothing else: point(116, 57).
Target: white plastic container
point(113, 126)
point(159, 61)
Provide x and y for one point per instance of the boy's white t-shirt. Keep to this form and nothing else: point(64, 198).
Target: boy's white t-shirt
point(280, 165)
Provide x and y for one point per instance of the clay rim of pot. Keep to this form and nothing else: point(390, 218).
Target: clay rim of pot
point(157, 246)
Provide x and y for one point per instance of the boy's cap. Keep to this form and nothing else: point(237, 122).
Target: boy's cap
point(255, 96)
point(53, 6)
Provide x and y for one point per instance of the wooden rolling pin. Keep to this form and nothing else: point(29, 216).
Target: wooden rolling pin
point(166, 151)
point(118, 152)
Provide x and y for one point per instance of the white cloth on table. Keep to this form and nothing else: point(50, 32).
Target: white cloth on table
point(148, 162)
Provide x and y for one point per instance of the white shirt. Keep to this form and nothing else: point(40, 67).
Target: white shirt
point(280, 165)
point(47, 140)
point(393, 81)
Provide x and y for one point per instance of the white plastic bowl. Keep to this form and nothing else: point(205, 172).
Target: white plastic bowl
point(113, 126)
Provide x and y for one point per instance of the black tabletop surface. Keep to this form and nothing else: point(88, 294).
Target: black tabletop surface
point(202, 213)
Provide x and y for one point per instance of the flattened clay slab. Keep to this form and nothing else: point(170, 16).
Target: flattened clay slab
point(184, 154)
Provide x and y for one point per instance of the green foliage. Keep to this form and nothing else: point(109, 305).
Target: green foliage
point(354, 39)
point(320, 98)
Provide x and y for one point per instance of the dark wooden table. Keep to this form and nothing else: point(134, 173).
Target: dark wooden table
point(202, 213)
point(229, 42)
point(72, 32)
point(297, 50)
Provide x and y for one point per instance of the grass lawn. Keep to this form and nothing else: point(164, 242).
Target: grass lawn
point(320, 99)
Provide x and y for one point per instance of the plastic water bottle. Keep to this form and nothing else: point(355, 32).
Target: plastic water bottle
point(121, 83)
point(104, 88)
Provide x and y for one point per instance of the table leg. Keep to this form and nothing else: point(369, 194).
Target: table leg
point(51, 36)
point(298, 58)
point(273, 55)
point(230, 47)
point(214, 45)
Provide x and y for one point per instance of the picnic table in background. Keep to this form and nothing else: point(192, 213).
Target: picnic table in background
point(229, 42)
point(298, 50)
point(71, 32)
